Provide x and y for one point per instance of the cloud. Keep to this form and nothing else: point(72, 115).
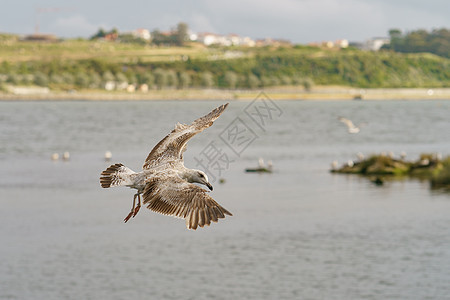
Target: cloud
point(201, 23)
point(420, 15)
point(292, 9)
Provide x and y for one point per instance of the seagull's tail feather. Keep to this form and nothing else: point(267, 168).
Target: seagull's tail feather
point(116, 175)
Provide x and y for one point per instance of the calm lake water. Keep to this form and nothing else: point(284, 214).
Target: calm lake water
point(299, 233)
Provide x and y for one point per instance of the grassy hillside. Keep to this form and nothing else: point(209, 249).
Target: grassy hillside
point(89, 64)
point(15, 51)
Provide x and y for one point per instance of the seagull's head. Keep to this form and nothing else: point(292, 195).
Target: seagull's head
point(200, 177)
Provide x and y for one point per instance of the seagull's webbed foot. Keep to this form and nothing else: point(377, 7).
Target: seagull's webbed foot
point(135, 208)
point(128, 217)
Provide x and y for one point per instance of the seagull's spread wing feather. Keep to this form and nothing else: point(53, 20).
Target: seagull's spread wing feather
point(174, 144)
point(173, 196)
point(347, 122)
point(116, 175)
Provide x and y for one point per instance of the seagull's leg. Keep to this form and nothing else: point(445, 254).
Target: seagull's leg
point(132, 209)
point(138, 206)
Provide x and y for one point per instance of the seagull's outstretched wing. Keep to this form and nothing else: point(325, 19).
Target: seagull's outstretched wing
point(174, 144)
point(347, 122)
point(173, 196)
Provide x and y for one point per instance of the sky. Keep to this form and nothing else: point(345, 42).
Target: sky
point(300, 21)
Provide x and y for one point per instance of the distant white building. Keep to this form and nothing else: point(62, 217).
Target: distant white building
point(341, 43)
point(142, 33)
point(193, 36)
point(375, 44)
point(246, 41)
point(330, 44)
point(209, 39)
point(233, 39)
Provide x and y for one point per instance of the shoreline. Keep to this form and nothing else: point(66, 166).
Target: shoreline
point(325, 93)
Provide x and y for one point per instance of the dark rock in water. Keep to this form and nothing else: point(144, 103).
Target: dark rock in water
point(222, 180)
point(262, 168)
point(386, 165)
point(428, 166)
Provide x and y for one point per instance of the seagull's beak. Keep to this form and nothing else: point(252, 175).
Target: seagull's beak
point(209, 186)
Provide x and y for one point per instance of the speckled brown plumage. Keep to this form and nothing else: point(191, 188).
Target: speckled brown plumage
point(166, 184)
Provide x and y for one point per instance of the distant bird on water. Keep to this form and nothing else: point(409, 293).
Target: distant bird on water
point(66, 156)
point(108, 155)
point(351, 128)
point(166, 184)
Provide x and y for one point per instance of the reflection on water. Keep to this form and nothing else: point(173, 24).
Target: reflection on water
point(299, 233)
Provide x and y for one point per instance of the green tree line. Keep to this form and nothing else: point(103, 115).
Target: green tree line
point(437, 41)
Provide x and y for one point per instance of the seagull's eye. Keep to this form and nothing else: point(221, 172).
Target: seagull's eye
point(201, 175)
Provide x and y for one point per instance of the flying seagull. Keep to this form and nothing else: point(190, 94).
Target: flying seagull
point(165, 184)
point(350, 126)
